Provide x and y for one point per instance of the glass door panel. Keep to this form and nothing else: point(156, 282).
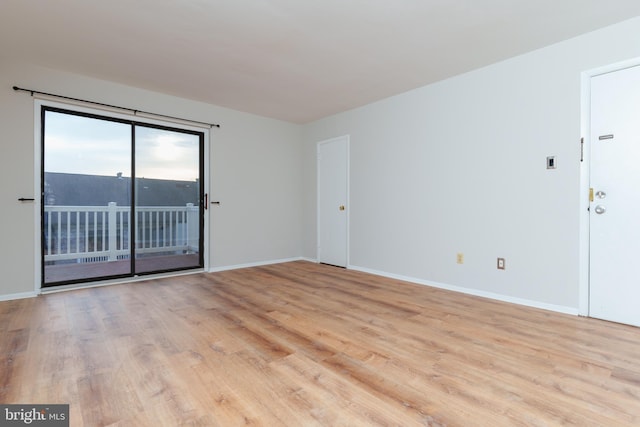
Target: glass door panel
point(168, 195)
point(86, 205)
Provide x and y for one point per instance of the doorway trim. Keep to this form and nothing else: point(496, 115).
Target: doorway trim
point(585, 176)
point(348, 185)
point(43, 101)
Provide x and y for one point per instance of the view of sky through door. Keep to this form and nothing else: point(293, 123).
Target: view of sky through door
point(81, 145)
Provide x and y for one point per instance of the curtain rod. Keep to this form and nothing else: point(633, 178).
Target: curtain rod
point(135, 112)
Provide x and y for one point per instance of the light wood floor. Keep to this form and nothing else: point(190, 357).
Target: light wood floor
point(301, 344)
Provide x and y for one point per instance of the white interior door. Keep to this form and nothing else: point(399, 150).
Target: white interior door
point(614, 282)
point(333, 175)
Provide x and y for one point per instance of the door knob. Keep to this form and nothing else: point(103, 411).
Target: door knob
point(600, 209)
point(341, 207)
point(601, 194)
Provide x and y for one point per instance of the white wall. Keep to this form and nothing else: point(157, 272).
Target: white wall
point(255, 173)
point(459, 166)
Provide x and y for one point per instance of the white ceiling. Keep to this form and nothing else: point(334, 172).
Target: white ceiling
point(295, 60)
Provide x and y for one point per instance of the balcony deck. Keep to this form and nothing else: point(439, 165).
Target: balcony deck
point(70, 272)
point(93, 242)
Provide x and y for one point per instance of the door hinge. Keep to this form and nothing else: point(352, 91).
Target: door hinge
point(582, 149)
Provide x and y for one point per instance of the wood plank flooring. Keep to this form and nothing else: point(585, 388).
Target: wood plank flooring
point(300, 344)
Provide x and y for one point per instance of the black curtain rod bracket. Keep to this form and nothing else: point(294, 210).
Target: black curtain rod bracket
point(134, 111)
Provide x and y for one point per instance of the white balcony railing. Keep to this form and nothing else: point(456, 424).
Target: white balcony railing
point(103, 233)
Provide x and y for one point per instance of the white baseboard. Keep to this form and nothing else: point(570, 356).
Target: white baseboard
point(20, 295)
point(498, 297)
point(256, 264)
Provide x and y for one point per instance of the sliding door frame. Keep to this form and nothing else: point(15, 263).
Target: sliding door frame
point(43, 104)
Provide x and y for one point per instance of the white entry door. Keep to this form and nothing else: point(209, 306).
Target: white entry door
point(614, 282)
point(333, 178)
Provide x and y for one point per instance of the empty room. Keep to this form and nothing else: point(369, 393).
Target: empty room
point(287, 213)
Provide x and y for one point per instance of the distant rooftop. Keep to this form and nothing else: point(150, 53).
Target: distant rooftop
point(64, 189)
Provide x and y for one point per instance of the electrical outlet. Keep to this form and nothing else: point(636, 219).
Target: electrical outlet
point(460, 258)
point(500, 263)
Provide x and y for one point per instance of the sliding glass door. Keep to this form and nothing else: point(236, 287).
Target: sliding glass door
point(119, 198)
point(167, 199)
point(85, 201)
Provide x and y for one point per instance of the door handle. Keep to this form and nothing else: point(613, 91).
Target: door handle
point(600, 209)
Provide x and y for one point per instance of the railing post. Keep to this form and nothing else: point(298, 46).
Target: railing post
point(193, 228)
point(113, 231)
